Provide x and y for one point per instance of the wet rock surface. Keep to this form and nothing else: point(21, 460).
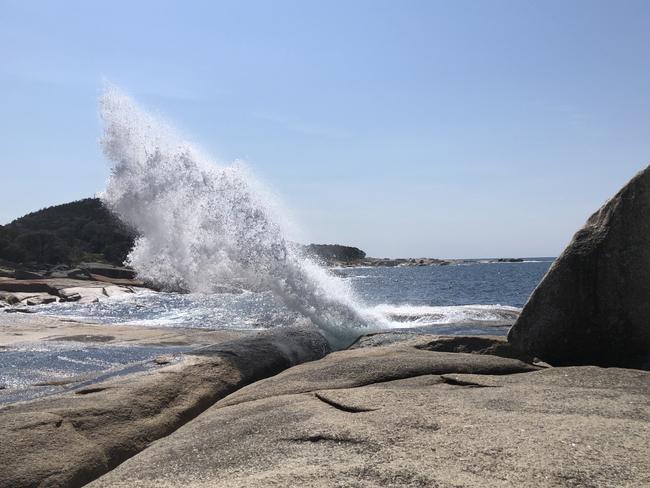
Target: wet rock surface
point(70, 439)
point(41, 355)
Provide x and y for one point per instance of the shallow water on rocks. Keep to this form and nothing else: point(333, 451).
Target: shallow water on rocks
point(45, 367)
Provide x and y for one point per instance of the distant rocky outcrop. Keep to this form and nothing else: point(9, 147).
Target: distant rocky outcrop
point(335, 253)
point(338, 255)
point(394, 262)
point(107, 270)
point(41, 291)
point(593, 305)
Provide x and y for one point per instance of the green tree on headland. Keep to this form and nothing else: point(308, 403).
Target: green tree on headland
point(68, 233)
point(42, 247)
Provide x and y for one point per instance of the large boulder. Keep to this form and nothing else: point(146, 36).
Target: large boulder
point(593, 305)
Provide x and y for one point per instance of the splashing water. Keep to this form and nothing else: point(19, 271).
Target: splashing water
point(204, 227)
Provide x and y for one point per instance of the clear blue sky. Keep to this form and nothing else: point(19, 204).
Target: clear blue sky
point(407, 128)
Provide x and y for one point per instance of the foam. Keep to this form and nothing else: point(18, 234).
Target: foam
point(407, 316)
point(203, 226)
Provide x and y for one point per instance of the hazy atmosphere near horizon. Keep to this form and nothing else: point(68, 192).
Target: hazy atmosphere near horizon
point(416, 128)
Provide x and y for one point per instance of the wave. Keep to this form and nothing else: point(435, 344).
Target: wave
point(203, 226)
point(256, 311)
point(409, 316)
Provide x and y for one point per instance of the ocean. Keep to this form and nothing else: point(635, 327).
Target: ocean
point(476, 298)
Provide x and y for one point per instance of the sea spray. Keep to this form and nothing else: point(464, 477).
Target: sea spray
point(204, 227)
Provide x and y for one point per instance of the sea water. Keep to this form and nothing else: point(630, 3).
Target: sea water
point(477, 298)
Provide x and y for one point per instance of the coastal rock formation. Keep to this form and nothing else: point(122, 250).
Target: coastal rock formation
point(47, 290)
point(108, 271)
point(380, 417)
point(69, 440)
point(21, 274)
point(593, 306)
point(30, 330)
point(400, 262)
point(358, 367)
point(334, 253)
point(487, 344)
point(412, 413)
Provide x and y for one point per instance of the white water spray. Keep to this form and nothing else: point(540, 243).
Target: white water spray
point(204, 226)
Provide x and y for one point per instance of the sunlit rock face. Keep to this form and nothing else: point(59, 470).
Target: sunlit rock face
point(593, 305)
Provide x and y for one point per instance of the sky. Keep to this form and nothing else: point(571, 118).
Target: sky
point(406, 128)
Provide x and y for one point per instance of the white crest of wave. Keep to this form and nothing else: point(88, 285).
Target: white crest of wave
point(203, 226)
point(405, 316)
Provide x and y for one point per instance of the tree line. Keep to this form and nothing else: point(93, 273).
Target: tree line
point(70, 233)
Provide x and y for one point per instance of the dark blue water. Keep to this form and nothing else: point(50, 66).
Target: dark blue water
point(480, 283)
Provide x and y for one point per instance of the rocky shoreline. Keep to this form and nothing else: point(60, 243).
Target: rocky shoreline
point(90, 282)
point(408, 262)
point(392, 410)
point(86, 283)
point(563, 401)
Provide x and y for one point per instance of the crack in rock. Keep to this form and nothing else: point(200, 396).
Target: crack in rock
point(325, 438)
point(450, 380)
point(87, 391)
point(341, 407)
